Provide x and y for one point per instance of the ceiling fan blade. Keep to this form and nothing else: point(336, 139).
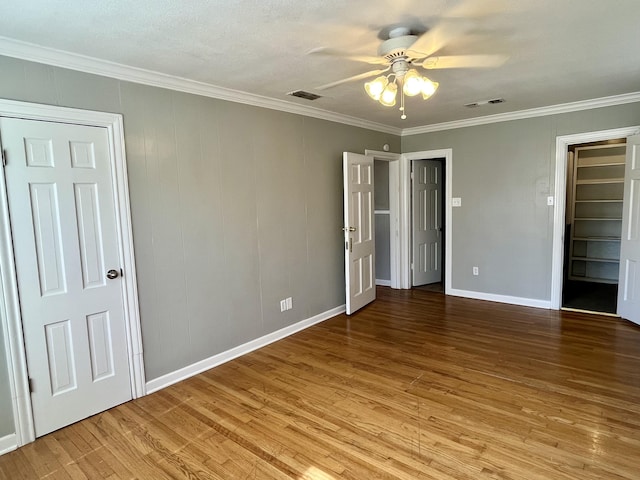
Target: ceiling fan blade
point(353, 79)
point(436, 38)
point(348, 56)
point(464, 61)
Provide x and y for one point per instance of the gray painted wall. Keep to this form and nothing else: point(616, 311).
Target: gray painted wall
point(504, 172)
point(233, 207)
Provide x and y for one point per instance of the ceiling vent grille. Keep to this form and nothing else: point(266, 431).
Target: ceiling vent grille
point(305, 95)
point(493, 101)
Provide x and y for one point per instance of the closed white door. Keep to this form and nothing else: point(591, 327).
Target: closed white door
point(427, 222)
point(359, 231)
point(629, 282)
point(65, 243)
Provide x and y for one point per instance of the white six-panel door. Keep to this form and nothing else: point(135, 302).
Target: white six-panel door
point(359, 228)
point(63, 224)
point(427, 222)
point(629, 283)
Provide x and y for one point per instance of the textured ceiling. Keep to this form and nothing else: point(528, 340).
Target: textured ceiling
point(559, 50)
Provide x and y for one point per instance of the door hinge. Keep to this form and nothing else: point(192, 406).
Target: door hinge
point(30, 385)
point(4, 157)
point(412, 266)
point(411, 175)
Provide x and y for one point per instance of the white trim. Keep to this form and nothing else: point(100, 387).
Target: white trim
point(405, 230)
point(529, 113)
point(8, 443)
point(208, 363)
point(394, 210)
point(59, 58)
point(525, 302)
point(560, 188)
point(82, 63)
point(23, 415)
point(383, 283)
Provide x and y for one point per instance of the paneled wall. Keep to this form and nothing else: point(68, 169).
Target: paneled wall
point(504, 172)
point(234, 208)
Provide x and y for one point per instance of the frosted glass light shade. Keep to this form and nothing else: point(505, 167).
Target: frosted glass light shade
point(429, 88)
point(388, 97)
point(374, 88)
point(413, 83)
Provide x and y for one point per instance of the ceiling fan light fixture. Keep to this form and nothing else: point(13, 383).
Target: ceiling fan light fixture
point(388, 97)
point(374, 88)
point(428, 88)
point(413, 83)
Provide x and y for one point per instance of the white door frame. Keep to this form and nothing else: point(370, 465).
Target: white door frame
point(562, 144)
point(394, 211)
point(9, 305)
point(405, 213)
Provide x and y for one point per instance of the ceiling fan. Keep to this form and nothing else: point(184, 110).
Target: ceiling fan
point(402, 50)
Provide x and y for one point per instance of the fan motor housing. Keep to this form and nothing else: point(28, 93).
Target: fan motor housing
point(396, 47)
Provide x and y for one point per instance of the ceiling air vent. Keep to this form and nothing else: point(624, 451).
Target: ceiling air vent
point(303, 94)
point(493, 101)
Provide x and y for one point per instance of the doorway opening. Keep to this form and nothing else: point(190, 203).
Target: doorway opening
point(593, 223)
point(382, 212)
point(560, 257)
point(427, 224)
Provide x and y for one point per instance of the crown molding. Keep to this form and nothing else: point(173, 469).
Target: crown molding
point(529, 113)
point(59, 58)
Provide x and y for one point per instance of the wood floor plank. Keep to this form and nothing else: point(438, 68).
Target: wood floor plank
point(415, 386)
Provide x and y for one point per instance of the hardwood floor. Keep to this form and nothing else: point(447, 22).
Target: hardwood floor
point(417, 385)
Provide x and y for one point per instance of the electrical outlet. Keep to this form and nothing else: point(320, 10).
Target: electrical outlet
point(476, 271)
point(456, 202)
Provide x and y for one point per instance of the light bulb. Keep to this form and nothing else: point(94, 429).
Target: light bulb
point(374, 88)
point(413, 83)
point(388, 97)
point(428, 88)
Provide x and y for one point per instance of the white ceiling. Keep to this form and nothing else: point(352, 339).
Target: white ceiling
point(559, 51)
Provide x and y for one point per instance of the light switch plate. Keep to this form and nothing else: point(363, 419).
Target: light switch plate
point(550, 200)
point(456, 202)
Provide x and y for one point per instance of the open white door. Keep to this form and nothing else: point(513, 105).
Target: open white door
point(629, 284)
point(426, 190)
point(359, 228)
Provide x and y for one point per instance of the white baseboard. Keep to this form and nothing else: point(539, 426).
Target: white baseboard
point(8, 443)
point(208, 363)
point(525, 302)
point(383, 283)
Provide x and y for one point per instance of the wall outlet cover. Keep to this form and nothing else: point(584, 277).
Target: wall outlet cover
point(456, 202)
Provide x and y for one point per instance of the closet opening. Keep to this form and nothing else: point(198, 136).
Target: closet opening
point(383, 229)
point(593, 225)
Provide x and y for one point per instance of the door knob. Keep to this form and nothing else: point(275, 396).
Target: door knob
point(111, 274)
point(349, 229)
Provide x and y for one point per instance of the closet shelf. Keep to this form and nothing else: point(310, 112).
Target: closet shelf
point(597, 239)
point(598, 219)
point(595, 279)
point(599, 201)
point(599, 181)
point(597, 260)
point(596, 201)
